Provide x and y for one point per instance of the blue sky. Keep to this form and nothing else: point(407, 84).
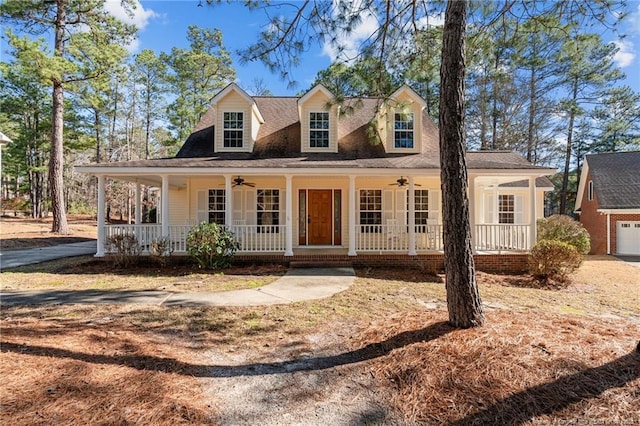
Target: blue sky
point(163, 24)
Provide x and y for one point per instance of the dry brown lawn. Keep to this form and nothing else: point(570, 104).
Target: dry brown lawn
point(20, 233)
point(563, 356)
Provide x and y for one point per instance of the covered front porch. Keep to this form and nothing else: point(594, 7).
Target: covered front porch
point(379, 212)
point(369, 238)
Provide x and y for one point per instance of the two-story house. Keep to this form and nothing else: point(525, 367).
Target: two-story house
point(296, 176)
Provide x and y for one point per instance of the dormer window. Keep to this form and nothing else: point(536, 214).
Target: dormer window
point(233, 134)
point(318, 129)
point(403, 130)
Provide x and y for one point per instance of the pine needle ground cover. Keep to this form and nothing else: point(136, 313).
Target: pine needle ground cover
point(546, 356)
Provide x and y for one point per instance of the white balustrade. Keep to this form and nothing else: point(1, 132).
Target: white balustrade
point(502, 237)
point(369, 238)
point(260, 238)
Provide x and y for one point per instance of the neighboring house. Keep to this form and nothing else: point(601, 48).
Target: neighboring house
point(608, 202)
point(296, 176)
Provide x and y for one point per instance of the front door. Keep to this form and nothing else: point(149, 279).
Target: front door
point(319, 217)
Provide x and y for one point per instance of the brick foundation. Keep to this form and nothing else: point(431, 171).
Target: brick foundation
point(496, 263)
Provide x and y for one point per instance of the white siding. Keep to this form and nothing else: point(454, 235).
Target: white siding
point(233, 102)
point(409, 105)
point(318, 103)
point(178, 207)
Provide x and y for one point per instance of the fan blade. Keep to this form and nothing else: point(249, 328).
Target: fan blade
point(251, 184)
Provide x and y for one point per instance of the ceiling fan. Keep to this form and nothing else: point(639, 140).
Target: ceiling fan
point(402, 182)
point(240, 182)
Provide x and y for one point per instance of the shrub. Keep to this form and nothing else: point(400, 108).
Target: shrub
point(550, 259)
point(160, 250)
point(124, 248)
point(563, 228)
point(211, 245)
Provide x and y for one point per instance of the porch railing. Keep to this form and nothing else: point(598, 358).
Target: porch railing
point(502, 237)
point(369, 238)
point(372, 238)
point(494, 237)
point(252, 238)
point(260, 238)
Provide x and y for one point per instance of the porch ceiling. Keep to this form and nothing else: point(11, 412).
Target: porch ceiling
point(177, 181)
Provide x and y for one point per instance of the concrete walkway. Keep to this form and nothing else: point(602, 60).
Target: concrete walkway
point(15, 258)
point(296, 285)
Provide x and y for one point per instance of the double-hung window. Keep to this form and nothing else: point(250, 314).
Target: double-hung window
point(370, 209)
point(403, 130)
point(268, 210)
point(421, 208)
point(319, 130)
point(506, 208)
point(233, 129)
point(216, 206)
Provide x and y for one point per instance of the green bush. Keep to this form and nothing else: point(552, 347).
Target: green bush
point(551, 259)
point(124, 249)
point(563, 228)
point(211, 245)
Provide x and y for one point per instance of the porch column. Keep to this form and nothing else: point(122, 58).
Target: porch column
point(138, 204)
point(228, 201)
point(288, 235)
point(165, 206)
point(100, 218)
point(352, 216)
point(532, 211)
point(412, 217)
point(496, 204)
point(472, 211)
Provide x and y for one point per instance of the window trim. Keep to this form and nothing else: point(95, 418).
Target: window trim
point(416, 211)
point(326, 131)
point(409, 128)
point(271, 228)
point(503, 211)
point(209, 210)
point(232, 129)
point(370, 227)
point(590, 190)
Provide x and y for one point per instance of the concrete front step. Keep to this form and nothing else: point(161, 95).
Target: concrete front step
point(306, 264)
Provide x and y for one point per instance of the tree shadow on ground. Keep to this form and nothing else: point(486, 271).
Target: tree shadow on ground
point(171, 365)
point(548, 398)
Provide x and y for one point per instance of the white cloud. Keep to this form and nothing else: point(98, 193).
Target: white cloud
point(346, 46)
point(433, 20)
point(140, 17)
point(625, 54)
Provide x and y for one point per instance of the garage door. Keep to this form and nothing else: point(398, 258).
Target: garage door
point(628, 237)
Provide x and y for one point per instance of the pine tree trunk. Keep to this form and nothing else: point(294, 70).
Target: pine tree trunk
point(532, 113)
point(564, 193)
point(463, 298)
point(56, 181)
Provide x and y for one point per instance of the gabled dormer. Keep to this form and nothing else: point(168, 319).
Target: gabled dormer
point(237, 120)
point(318, 121)
point(399, 121)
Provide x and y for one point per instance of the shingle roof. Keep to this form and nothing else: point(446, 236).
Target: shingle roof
point(278, 144)
point(616, 179)
point(541, 182)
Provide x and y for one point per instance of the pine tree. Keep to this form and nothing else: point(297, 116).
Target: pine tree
point(86, 43)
